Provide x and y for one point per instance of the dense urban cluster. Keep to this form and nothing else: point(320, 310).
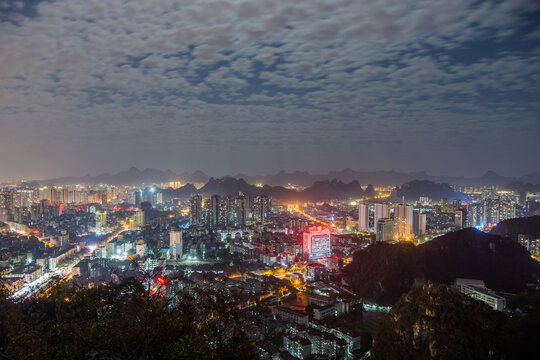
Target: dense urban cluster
point(281, 264)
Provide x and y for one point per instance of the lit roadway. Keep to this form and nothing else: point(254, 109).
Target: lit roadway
point(44, 283)
point(309, 217)
point(116, 233)
point(312, 218)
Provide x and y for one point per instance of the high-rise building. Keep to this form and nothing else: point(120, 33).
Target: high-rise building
point(495, 211)
point(474, 215)
point(3, 201)
point(507, 210)
point(4, 207)
point(532, 245)
point(380, 211)
point(458, 218)
point(34, 212)
point(149, 196)
point(316, 244)
point(140, 248)
point(137, 197)
point(403, 218)
point(385, 229)
point(44, 207)
point(445, 205)
point(261, 209)
point(54, 195)
point(224, 211)
point(214, 210)
point(101, 222)
point(159, 198)
point(242, 209)
point(65, 196)
point(363, 217)
point(195, 210)
point(419, 224)
point(21, 215)
point(175, 243)
point(139, 219)
point(4, 215)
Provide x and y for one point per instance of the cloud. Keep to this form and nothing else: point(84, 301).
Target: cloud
point(369, 67)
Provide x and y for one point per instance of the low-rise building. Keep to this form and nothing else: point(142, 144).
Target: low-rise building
point(330, 310)
point(287, 314)
point(11, 285)
point(478, 290)
point(297, 346)
point(29, 272)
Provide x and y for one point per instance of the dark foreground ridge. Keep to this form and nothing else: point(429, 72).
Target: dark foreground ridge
point(122, 321)
point(436, 322)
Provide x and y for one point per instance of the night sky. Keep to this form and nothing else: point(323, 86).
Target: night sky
point(256, 86)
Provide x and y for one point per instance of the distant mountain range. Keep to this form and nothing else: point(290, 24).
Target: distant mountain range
point(387, 178)
point(320, 190)
point(133, 176)
point(137, 177)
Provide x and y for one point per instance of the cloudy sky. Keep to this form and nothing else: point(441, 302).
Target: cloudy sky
point(256, 86)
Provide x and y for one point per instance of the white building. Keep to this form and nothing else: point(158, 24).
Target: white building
point(403, 218)
point(101, 222)
point(385, 229)
point(317, 244)
point(478, 290)
point(363, 217)
point(380, 211)
point(419, 224)
point(175, 243)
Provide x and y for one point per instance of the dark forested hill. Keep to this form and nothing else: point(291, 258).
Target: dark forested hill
point(383, 272)
point(513, 227)
point(412, 190)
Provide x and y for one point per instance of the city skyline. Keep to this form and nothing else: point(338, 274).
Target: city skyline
point(230, 87)
point(236, 179)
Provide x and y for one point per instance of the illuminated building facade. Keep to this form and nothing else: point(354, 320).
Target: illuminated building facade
point(419, 224)
point(476, 289)
point(496, 210)
point(213, 209)
point(195, 210)
point(403, 218)
point(317, 244)
point(140, 248)
point(101, 222)
point(474, 216)
point(225, 213)
point(242, 209)
point(261, 209)
point(175, 243)
point(385, 229)
point(363, 217)
point(139, 219)
point(532, 245)
point(380, 211)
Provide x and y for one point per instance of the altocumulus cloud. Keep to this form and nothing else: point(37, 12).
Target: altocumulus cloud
point(195, 82)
